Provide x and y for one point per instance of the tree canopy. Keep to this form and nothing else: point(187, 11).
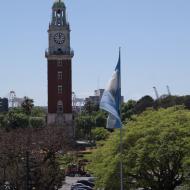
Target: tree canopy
point(156, 152)
point(137, 107)
point(27, 105)
point(29, 156)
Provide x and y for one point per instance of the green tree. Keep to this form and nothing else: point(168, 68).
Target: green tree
point(187, 101)
point(127, 109)
point(100, 119)
point(144, 103)
point(100, 133)
point(37, 122)
point(3, 120)
point(90, 107)
point(168, 101)
point(27, 105)
point(156, 152)
point(84, 124)
point(38, 112)
point(15, 120)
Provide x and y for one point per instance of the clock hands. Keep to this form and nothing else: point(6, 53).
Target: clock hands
point(59, 38)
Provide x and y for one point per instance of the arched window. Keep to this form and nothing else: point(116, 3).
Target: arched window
point(59, 106)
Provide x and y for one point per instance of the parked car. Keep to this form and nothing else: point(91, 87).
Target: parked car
point(91, 179)
point(86, 182)
point(80, 185)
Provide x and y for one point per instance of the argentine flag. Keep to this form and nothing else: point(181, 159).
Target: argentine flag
point(111, 99)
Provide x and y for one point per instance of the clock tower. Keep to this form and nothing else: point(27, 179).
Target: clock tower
point(59, 64)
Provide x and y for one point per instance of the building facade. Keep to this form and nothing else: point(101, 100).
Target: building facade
point(99, 92)
point(59, 65)
point(3, 105)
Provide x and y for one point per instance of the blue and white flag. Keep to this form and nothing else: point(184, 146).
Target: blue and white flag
point(111, 99)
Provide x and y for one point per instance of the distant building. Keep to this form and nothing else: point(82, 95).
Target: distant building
point(97, 97)
point(93, 100)
point(4, 105)
point(14, 101)
point(99, 92)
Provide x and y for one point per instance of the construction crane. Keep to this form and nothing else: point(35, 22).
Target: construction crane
point(168, 89)
point(156, 92)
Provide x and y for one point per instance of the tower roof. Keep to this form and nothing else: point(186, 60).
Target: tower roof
point(58, 4)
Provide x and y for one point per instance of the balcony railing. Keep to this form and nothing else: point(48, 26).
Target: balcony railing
point(49, 52)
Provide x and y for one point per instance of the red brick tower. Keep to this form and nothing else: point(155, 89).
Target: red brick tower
point(59, 56)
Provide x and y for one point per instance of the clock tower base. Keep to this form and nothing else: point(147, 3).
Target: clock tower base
point(62, 120)
point(59, 119)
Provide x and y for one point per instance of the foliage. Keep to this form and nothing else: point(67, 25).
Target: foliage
point(67, 159)
point(187, 101)
point(2, 120)
point(84, 124)
point(22, 117)
point(100, 133)
point(90, 107)
point(37, 122)
point(127, 110)
point(16, 120)
point(168, 101)
point(38, 112)
point(100, 119)
point(32, 154)
point(156, 152)
point(27, 105)
point(142, 104)
point(132, 107)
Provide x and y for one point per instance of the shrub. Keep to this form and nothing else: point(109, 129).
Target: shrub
point(37, 122)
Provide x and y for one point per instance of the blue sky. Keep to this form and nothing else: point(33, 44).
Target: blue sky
point(154, 36)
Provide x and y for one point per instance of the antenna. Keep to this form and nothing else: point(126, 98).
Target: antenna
point(98, 83)
point(156, 92)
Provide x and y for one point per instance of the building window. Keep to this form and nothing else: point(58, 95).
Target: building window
point(59, 106)
point(59, 63)
point(60, 75)
point(60, 89)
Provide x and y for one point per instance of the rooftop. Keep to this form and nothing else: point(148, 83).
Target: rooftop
point(58, 4)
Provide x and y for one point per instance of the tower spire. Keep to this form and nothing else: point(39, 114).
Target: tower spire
point(59, 14)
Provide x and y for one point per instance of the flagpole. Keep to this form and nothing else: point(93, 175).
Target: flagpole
point(111, 102)
point(121, 135)
point(121, 159)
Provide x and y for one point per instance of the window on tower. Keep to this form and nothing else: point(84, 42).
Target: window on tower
point(59, 106)
point(60, 75)
point(59, 63)
point(60, 89)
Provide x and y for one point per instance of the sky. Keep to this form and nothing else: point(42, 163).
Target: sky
point(154, 36)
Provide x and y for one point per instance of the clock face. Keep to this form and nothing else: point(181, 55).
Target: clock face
point(59, 38)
